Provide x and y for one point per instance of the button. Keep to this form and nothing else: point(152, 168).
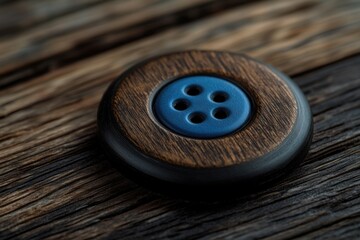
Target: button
point(204, 124)
point(202, 106)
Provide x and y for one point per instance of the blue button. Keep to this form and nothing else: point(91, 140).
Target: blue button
point(202, 106)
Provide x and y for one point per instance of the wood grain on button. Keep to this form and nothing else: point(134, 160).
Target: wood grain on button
point(274, 116)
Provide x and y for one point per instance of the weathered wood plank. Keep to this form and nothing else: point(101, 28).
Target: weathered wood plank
point(62, 36)
point(17, 16)
point(330, 26)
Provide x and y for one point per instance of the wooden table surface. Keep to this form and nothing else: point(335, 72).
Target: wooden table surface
point(56, 59)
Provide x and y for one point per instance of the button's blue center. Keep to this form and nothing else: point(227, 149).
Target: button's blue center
point(202, 106)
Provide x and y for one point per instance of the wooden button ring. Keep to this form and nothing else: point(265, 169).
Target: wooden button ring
point(204, 123)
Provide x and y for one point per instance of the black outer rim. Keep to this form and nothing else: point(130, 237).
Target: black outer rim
point(193, 183)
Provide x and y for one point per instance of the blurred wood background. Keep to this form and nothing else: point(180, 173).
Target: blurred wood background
point(56, 59)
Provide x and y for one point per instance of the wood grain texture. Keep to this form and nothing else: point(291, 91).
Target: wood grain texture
point(316, 32)
point(55, 181)
point(51, 34)
point(274, 117)
point(19, 16)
